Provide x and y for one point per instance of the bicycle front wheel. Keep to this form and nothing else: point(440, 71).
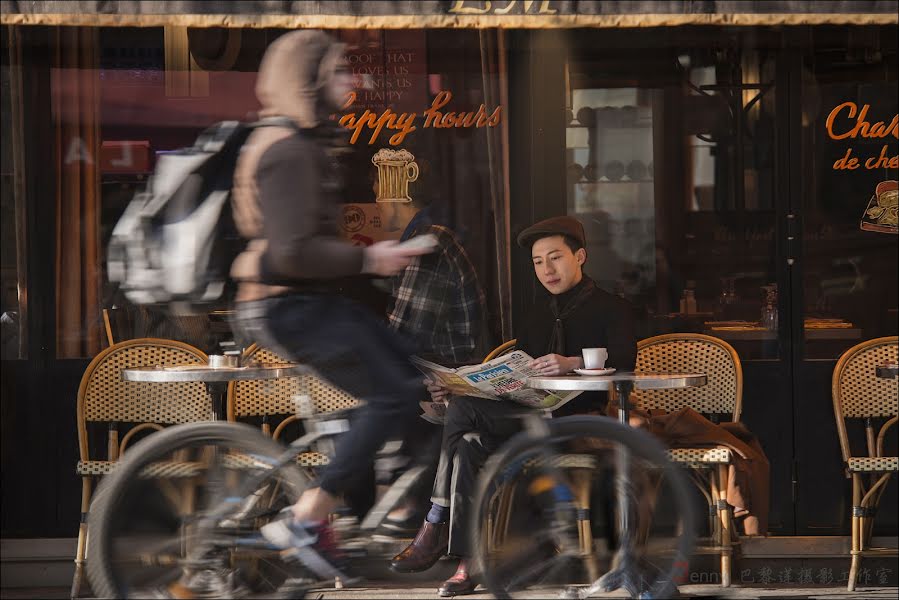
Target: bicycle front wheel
point(179, 516)
point(538, 527)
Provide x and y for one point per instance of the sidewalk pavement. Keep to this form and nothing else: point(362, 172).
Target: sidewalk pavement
point(393, 591)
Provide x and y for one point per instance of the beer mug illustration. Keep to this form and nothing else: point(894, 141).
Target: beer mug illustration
point(396, 168)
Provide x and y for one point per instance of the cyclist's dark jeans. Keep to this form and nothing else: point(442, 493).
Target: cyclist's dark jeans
point(348, 346)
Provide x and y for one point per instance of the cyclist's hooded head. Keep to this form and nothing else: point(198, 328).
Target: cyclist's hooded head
point(303, 76)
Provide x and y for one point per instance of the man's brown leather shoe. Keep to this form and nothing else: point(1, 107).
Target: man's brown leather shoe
point(459, 584)
point(429, 545)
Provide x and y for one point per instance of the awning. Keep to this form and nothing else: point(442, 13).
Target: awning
point(401, 14)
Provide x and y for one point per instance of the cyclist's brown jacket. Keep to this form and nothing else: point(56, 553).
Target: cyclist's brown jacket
point(285, 183)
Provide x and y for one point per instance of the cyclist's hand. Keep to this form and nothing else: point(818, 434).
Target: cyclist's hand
point(437, 391)
point(555, 364)
point(387, 258)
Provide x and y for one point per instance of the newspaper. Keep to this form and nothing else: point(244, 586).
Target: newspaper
point(503, 378)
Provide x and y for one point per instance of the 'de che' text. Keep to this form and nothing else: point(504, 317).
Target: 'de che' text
point(847, 121)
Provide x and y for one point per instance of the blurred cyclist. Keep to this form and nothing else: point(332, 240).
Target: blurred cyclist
point(285, 203)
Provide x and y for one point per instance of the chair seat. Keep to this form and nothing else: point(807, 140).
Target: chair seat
point(159, 469)
point(312, 459)
point(873, 465)
point(94, 467)
point(699, 457)
point(166, 468)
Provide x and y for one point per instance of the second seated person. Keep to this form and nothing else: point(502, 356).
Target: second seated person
point(573, 315)
point(439, 304)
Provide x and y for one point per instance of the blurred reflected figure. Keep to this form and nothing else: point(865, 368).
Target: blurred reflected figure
point(285, 203)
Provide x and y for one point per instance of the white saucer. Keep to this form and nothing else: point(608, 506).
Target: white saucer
point(595, 372)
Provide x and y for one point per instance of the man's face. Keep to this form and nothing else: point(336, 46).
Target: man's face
point(556, 266)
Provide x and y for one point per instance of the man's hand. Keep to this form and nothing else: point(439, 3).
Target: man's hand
point(387, 258)
point(437, 391)
point(555, 364)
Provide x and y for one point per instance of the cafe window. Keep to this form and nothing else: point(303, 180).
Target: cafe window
point(12, 202)
point(849, 208)
point(670, 168)
point(707, 214)
point(121, 97)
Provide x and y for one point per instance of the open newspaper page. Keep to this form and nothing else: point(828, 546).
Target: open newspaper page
point(503, 378)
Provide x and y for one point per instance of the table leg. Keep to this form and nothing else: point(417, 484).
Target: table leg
point(218, 391)
point(625, 573)
point(206, 573)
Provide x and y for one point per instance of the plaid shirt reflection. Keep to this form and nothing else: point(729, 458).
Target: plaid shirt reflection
point(438, 301)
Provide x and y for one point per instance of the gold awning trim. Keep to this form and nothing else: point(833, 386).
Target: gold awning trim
point(291, 21)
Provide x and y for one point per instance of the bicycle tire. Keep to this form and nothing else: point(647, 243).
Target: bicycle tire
point(642, 446)
point(104, 581)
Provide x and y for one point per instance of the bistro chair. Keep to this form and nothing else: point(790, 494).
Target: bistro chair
point(580, 470)
point(503, 348)
point(280, 402)
point(721, 397)
point(103, 397)
point(859, 394)
point(499, 515)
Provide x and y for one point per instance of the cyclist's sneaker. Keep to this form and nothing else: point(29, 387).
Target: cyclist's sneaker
point(315, 545)
point(202, 584)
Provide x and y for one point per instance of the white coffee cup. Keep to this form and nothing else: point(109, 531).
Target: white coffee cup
point(595, 358)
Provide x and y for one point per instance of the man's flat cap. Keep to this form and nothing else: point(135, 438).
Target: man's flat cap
point(554, 226)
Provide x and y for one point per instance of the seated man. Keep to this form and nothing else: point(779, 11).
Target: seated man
point(576, 314)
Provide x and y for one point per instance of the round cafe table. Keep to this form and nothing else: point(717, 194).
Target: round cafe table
point(215, 378)
point(626, 575)
point(624, 383)
point(888, 371)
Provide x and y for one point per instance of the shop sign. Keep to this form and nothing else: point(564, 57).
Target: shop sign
point(362, 224)
point(405, 14)
point(467, 7)
point(389, 68)
point(847, 121)
point(404, 123)
point(125, 157)
point(881, 212)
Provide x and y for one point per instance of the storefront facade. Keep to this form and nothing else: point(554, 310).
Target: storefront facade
point(728, 160)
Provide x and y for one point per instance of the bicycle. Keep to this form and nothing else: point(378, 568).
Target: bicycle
point(180, 515)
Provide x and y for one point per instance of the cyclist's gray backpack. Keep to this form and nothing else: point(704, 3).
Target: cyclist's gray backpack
point(175, 242)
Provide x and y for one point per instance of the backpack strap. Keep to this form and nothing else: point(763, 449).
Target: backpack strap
point(277, 121)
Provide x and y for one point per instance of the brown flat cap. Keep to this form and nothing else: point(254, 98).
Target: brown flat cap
point(553, 226)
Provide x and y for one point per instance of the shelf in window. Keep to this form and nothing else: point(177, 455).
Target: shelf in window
point(635, 126)
point(616, 182)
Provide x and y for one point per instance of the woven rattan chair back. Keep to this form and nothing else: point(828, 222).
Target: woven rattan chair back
point(857, 391)
point(693, 353)
point(103, 395)
point(279, 396)
point(503, 348)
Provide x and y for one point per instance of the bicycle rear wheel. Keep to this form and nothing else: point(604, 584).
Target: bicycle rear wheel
point(179, 516)
point(533, 533)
